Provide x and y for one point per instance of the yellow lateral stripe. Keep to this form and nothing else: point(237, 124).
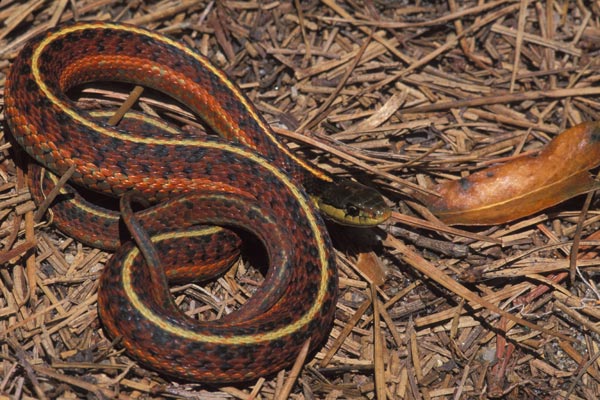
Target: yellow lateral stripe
point(140, 117)
point(97, 211)
point(200, 231)
point(224, 79)
point(165, 325)
point(126, 273)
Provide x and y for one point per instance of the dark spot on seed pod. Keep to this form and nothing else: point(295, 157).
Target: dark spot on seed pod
point(595, 134)
point(465, 184)
point(490, 174)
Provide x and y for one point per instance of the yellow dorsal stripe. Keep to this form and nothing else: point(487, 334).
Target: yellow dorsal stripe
point(302, 200)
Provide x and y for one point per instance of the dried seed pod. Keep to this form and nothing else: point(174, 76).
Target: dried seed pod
point(523, 186)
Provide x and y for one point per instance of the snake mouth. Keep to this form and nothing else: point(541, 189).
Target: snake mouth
point(353, 204)
point(361, 220)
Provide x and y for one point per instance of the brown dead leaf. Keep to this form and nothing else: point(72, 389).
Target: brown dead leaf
point(524, 186)
point(372, 268)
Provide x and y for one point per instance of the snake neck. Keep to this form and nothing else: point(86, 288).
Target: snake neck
point(348, 202)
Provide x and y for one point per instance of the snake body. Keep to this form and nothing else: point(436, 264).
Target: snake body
point(248, 180)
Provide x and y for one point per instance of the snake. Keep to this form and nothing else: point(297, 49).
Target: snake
point(202, 193)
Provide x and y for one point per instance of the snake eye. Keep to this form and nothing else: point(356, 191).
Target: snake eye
point(352, 210)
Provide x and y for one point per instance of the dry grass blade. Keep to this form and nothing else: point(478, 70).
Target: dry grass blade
point(378, 350)
point(134, 96)
point(426, 268)
point(43, 207)
point(20, 249)
point(294, 372)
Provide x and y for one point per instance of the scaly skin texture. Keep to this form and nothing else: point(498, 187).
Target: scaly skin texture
point(75, 54)
point(295, 302)
point(254, 185)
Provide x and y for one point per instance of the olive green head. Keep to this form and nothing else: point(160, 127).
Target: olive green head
point(351, 203)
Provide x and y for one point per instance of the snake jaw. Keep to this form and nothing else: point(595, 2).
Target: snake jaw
point(351, 203)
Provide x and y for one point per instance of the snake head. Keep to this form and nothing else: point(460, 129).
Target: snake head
point(351, 203)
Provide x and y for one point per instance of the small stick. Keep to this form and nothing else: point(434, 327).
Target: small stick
point(294, 372)
point(43, 207)
point(134, 95)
